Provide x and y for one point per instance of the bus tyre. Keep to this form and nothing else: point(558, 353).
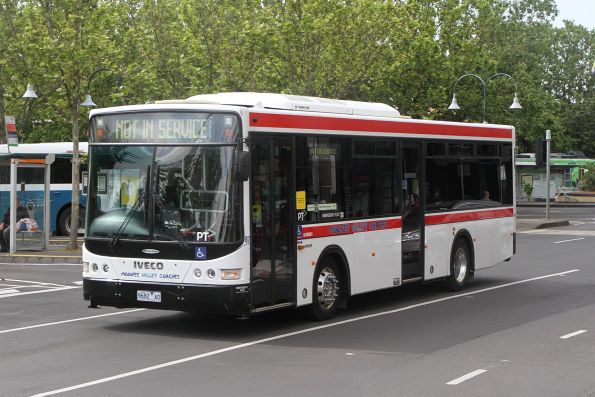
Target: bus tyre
point(460, 266)
point(64, 221)
point(326, 289)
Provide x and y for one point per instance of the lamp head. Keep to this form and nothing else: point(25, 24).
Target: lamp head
point(88, 102)
point(454, 105)
point(30, 93)
point(516, 104)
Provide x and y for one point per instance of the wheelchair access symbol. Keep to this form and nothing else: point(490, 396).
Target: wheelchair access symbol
point(200, 253)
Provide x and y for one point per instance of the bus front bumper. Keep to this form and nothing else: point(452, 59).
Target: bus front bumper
point(233, 299)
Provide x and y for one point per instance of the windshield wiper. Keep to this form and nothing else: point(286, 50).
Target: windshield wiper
point(113, 244)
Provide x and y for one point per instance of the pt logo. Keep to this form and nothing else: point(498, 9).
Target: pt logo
point(200, 253)
point(202, 236)
point(301, 216)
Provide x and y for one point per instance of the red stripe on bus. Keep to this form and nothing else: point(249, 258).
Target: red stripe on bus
point(339, 229)
point(398, 127)
point(439, 219)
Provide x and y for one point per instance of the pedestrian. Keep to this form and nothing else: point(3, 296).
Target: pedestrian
point(5, 225)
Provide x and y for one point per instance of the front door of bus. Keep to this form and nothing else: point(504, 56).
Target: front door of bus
point(413, 220)
point(272, 225)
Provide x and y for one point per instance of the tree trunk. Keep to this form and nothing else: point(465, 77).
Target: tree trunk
point(74, 214)
point(3, 136)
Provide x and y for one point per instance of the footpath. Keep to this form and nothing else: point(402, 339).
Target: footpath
point(530, 224)
point(56, 253)
point(523, 225)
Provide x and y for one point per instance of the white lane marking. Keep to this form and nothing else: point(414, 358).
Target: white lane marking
point(6, 331)
point(570, 335)
point(37, 292)
point(572, 239)
point(555, 232)
point(9, 291)
point(10, 285)
point(287, 335)
point(30, 286)
point(33, 282)
point(467, 377)
point(78, 282)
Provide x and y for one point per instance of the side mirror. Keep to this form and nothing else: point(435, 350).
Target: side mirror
point(244, 165)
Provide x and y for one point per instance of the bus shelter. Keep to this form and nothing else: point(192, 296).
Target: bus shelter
point(30, 203)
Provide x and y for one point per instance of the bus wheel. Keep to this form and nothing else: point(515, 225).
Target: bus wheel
point(64, 221)
point(326, 289)
point(460, 266)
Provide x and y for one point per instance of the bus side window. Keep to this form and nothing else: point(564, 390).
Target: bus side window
point(61, 171)
point(322, 173)
point(375, 178)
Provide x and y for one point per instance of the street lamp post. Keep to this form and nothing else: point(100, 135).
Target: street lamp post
point(88, 102)
point(515, 102)
point(548, 139)
point(28, 95)
point(74, 214)
point(10, 128)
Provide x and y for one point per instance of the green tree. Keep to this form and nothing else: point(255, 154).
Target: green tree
point(15, 68)
point(327, 48)
point(406, 53)
point(589, 178)
point(69, 36)
point(571, 84)
point(225, 43)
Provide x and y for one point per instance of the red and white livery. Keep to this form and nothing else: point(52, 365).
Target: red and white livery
point(247, 202)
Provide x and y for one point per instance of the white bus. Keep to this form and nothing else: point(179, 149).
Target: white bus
point(241, 203)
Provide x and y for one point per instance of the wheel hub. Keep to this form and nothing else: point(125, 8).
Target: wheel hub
point(328, 288)
point(460, 265)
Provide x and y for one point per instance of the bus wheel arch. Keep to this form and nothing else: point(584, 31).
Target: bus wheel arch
point(331, 275)
point(462, 261)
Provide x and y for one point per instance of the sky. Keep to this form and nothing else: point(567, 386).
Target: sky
point(582, 12)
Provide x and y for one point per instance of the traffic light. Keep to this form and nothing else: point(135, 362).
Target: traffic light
point(540, 153)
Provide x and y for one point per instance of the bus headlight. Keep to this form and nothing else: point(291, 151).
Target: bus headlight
point(211, 273)
point(105, 267)
point(231, 274)
point(85, 267)
point(95, 267)
point(197, 273)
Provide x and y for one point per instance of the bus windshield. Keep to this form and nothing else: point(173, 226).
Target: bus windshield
point(164, 193)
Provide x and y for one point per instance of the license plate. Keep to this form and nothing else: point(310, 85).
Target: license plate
point(148, 296)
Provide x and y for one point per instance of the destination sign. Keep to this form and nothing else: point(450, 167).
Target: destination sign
point(165, 127)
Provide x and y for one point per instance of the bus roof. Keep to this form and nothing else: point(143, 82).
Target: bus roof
point(295, 102)
point(258, 100)
point(60, 149)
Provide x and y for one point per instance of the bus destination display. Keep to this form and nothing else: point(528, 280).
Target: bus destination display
point(165, 127)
